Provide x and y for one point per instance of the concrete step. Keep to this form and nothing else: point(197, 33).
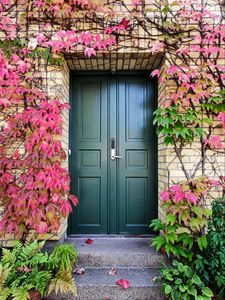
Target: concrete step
point(97, 284)
point(134, 259)
point(117, 252)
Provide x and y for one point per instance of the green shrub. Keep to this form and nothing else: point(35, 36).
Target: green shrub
point(184, 228)
point(211, 265)
point(26, 268)
point(180, 281)
point(182, 231)
point(65, 257)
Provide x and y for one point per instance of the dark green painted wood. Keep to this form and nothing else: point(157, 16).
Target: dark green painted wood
point(88, 163)
point(115, 197)
point(135, 139)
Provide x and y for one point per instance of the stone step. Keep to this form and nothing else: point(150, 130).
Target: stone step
point(97, 284)
point(117, 252)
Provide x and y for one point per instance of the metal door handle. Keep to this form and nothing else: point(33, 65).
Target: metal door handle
point(113, 150)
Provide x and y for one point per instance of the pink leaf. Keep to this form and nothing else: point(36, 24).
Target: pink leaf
point(165, 196)
point(157, 46)
point(65, 208)
point(125, 23)
point(73, 199)
point(89, 241)
point(42, 227)
point(123, 283)
point(155, 73)
point(89, 52)
point(214, 142)
point(137, 2)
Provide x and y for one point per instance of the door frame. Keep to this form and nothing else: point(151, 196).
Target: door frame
point(109, 74)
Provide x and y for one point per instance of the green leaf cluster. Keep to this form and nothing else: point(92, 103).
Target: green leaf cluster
point(180, 281)
point(177, 125)
point(64, 257)
point(182, 230)
point(215, 103)
point(211, 264)
point(46, 54)
point(26, 268)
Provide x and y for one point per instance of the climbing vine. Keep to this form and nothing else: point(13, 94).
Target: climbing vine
point(189, 34)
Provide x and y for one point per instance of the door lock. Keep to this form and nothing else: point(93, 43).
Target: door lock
point(113, 150)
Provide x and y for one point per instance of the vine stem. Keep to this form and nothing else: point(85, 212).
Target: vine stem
point(178, 153)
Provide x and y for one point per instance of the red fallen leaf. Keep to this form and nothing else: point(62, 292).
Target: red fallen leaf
point(123, 283)
point(89, 241)
point(112, 272)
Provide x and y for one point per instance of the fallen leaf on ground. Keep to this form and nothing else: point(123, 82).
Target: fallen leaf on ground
point(112, 271)
point(89, 241)
point(155, 279)
point(79, 271)
point(123, 283)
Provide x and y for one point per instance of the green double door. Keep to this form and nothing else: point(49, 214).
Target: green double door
point(112, 116)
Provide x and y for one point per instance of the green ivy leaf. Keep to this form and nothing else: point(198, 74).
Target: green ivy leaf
point(170, 237)
point(196, 279)
point(199, 297)
point(158, 242)
point(192, 291)
point(182, 288)
point(168, 289)
point(156, 224)
point(202, 242)
point(168, 141)
point(170, 218)
point(178, 281)
point(180, 267)
point(166, 10)
point(207, 292)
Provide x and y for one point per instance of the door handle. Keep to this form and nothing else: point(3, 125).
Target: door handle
point(113, 150)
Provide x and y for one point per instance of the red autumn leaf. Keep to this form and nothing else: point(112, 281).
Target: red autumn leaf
point(73, 199)
point(155, 73)
point(125, 23)
point(89, 241)
point(42, 227)
point(123, 283)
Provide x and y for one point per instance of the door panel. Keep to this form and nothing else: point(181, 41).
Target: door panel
point(88, 126)
point(136, 144)
point(115, 197)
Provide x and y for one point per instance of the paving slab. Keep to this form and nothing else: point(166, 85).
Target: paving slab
point(99, 276)
point(117, 252)
point(115, 244)
point(97, 284)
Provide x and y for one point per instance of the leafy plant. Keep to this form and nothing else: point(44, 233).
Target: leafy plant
point(26, 268)
point(180, 281)
point(175, 125)
point(185, 222)
point(211, 265)
point(65, 257)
